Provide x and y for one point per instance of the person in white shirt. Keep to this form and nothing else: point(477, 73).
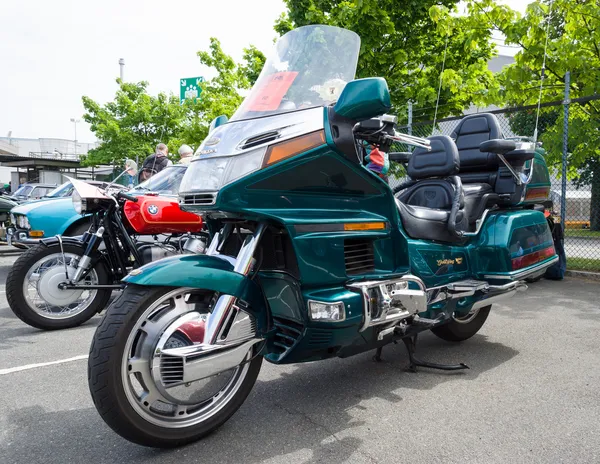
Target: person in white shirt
point(186, 153)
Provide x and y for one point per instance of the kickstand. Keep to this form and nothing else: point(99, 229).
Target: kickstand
point(411, 345)
point(377, 357)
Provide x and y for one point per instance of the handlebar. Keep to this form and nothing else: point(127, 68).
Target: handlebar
point(126, 196)
point(410, 140)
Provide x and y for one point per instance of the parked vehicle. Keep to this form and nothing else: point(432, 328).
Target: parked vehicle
point(6, 204)
point(312, 256)
point(34, 221)
point(63, 281)
point(32, 191)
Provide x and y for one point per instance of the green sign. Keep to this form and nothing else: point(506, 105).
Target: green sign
point(189, 88)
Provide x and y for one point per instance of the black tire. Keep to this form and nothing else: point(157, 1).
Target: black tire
point(18, 303)
point(455, 331)
point(106, 383)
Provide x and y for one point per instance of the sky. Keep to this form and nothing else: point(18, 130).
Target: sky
point(53, 52)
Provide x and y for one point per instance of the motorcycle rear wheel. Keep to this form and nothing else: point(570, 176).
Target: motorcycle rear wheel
point(120, 375)
point(464, 327)
point(49, 308)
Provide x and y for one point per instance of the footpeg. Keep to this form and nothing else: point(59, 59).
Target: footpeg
point(411, 344)
point(422, 321)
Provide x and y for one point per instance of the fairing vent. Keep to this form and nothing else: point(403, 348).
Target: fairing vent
point(171, 369)
point(199, 199)
point(359, 256)
point(320, 338)
point(260, 139)
point(287, 333)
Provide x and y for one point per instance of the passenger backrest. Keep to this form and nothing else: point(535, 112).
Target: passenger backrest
point(427, 167)
point(441, 161)
point(471, 131)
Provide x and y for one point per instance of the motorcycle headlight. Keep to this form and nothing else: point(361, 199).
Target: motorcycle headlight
point(209, 172)
point(78, 203)
point(214, 172)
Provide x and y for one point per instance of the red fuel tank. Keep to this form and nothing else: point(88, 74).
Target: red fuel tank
point(160, 215)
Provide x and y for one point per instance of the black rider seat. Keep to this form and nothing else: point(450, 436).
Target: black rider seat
point(425, 207)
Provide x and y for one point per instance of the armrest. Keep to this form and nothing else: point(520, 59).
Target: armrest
point(400, 156)
point(497, 146)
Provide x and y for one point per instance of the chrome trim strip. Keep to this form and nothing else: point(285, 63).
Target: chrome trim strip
point(525, 273)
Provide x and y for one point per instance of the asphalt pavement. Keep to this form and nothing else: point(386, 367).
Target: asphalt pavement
point(531, 396)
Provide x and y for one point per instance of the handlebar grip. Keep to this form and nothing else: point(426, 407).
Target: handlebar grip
point(126, 196)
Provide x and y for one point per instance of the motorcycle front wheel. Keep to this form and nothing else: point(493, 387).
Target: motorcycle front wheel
point(132, 387)
point(33, 293)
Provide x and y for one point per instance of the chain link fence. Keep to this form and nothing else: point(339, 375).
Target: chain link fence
point(569, 133)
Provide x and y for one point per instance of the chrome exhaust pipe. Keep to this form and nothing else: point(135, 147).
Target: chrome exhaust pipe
point(506, 291)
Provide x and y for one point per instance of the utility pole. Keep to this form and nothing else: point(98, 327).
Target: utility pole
point(409, 117)
point(563, 189)
point(122, 68)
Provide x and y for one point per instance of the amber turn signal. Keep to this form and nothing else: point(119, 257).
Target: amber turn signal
point(293, 147)
point(36, 233)
point(365, 226)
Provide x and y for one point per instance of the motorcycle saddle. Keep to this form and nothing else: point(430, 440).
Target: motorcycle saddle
point(425, 206)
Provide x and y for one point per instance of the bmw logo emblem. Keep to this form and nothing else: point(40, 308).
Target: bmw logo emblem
point(153, 209)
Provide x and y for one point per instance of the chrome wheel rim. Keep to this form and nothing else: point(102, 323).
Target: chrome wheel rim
point(143, 369)
point(467, 317)
point(41, 292)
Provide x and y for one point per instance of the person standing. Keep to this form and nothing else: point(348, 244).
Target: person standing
point(186, 153)
point(155, 162)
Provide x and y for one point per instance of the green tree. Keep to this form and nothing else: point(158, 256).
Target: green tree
point(134, 122)
point(404, 41)
point(573, 45)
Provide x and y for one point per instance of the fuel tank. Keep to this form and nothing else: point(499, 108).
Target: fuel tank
point(153, 214)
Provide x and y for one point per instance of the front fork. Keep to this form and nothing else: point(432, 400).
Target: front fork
point(86, 260)
point(243, 264)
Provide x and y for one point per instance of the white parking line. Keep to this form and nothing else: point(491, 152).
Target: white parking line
point(10, 370)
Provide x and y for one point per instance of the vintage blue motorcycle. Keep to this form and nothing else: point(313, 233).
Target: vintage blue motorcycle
point(312, 255)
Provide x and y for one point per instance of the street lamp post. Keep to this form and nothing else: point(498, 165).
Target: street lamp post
point(122, 68)
point(75, 121)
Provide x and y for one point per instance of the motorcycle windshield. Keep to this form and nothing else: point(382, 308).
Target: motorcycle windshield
point(309, 67)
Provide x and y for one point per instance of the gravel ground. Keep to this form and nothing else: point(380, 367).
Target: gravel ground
point(531, 396)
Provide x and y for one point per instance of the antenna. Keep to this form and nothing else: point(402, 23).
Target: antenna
point(537, 115)
point(437, 103)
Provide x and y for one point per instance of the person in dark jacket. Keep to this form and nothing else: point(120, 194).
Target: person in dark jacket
point(155, 162)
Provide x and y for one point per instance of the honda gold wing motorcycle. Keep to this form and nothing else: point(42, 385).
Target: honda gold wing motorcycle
point(312, 255)
point(64, 281)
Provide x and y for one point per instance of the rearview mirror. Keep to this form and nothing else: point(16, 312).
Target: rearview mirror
point(218, 121)
point(364, 99)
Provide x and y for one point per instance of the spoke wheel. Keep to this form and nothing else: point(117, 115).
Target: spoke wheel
point(42, 292)
point(33, 287)
point(139, 391)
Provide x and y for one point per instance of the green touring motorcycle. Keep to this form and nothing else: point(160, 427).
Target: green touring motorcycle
point(312, 255)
